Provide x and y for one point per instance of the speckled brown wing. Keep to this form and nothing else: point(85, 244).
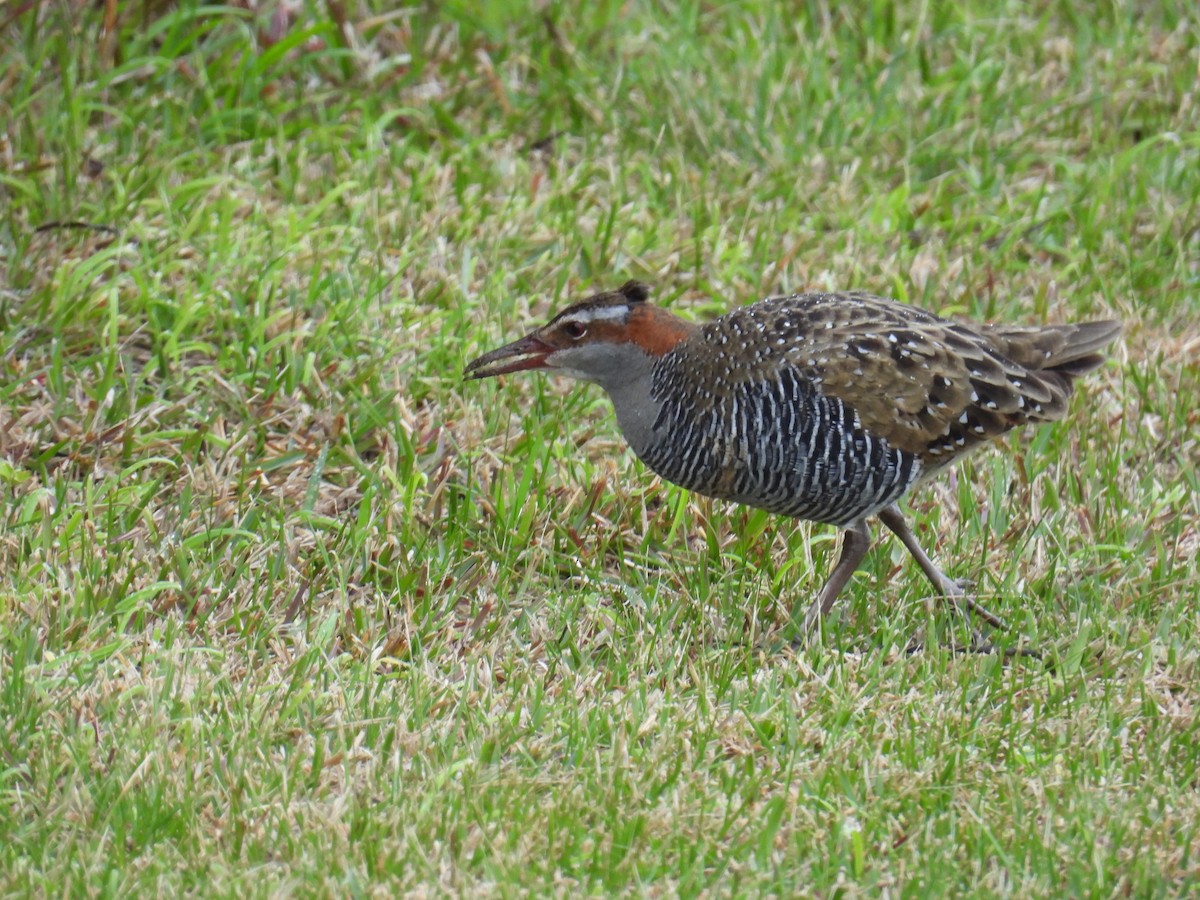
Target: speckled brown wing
point(929, 386)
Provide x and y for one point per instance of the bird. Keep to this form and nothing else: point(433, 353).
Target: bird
point(823, 406)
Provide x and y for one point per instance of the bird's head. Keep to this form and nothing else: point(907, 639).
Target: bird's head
point(607, 338)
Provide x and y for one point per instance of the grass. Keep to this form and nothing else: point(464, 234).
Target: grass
point(285, 607)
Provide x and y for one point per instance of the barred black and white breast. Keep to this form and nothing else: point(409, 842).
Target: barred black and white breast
point(776, 443)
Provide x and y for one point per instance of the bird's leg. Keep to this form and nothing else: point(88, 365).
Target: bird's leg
point(951, 590)
point(856, 541)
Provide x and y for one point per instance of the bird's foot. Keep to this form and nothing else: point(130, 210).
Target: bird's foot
point(979, 645)
point(962, 596)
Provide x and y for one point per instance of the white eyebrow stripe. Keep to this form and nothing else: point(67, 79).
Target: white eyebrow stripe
point(599, 313)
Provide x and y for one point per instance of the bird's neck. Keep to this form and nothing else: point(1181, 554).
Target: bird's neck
point(634, 403)
point(657, 330)
point(651, 333)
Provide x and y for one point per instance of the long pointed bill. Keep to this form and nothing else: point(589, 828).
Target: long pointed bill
point(527, 353)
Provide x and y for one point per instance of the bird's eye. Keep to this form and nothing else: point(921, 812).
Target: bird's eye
point(574, 330)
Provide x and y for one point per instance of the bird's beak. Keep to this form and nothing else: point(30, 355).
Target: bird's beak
point(527, 353)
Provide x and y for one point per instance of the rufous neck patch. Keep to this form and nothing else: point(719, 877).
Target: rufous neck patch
point(655, 330)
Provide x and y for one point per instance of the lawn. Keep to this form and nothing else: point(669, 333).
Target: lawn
point(287, 607)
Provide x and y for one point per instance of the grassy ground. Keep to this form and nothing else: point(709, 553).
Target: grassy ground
point(285, 607)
